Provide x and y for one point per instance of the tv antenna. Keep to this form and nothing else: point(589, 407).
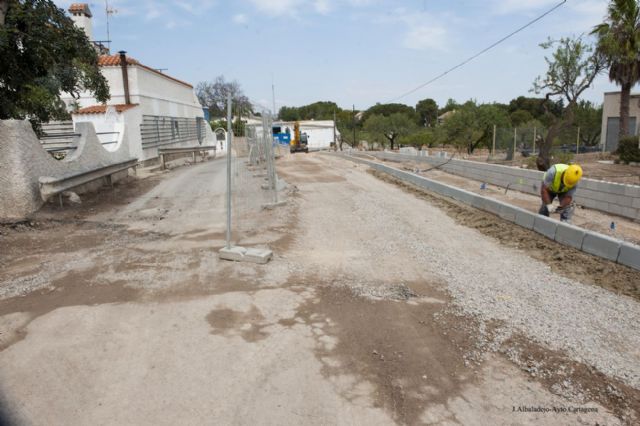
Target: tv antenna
point(108, 12)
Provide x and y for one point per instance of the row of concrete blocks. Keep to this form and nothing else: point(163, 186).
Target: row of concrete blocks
point(573, 236)
point(614, 198)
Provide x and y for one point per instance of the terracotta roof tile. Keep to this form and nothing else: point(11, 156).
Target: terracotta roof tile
point(101, 109)
point(114, 60)
point(80, 8)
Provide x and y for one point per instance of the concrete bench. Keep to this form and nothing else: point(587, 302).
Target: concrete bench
point(50, 186)
point(163, 152)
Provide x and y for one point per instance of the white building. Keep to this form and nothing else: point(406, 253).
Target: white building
point(151, 108)
point(611, 119)
point(320, 132)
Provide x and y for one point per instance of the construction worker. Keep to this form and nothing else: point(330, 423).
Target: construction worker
point(560, 181)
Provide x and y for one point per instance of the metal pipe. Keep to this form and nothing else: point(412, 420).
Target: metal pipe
point(229, 136)
point(493, 146)
point(125, 76)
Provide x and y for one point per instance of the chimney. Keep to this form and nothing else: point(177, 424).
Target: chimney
point(125, 76)
point(81, 16)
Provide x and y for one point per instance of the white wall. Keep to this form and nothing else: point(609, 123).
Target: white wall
point(611, 108)
point(155, 94)
point(84, 22)
point(320, 132)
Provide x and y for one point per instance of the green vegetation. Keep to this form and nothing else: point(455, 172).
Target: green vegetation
point(469, 128)
point(629, 150)
point(572, 67)
point(43, 55)
point(389, 128)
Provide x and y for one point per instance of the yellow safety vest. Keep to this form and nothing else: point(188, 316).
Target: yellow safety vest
point(558, 186)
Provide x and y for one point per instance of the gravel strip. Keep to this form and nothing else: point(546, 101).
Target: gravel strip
point(492, 282)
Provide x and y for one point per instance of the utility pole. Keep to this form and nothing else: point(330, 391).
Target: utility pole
point(578, 141)
point(335, 142)
point(273, 97)
point(354, 126)
point(493, 147)
point(229, 137)
point(535, 131)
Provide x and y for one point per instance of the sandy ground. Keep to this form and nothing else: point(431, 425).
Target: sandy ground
point(119, 311)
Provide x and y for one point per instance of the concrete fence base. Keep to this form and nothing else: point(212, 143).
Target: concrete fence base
point(588, 241)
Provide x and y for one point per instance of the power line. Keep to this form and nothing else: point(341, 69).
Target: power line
point(466, 61)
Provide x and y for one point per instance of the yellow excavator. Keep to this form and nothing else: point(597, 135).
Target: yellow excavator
point(300, 141)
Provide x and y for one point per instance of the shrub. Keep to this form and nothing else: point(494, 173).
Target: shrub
point(562, 158)
point(628, 149)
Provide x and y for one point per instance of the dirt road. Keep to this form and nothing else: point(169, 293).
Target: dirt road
point(378, 308)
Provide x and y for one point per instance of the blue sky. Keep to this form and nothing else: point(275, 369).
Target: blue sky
point(348, 51)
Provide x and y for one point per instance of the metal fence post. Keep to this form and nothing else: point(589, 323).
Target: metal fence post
point(229, 136)
point(535, 131)
point(493, 148)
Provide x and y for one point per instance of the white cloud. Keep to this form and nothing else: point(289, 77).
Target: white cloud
point(279, 7)
point(423, 37)
point(240, 19)
point(423, 30)
point(323, 7)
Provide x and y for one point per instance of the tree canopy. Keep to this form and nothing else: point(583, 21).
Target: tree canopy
point(427, 110)
point(388, 128)
point(322, 110)
point(572, 67)
point(213, 96)
point(43, 55)
point(472, 124)
point(387, 110)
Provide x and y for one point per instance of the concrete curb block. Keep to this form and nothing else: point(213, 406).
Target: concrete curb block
point(563, 233)
point(525, 219)
point(610, 197)
point(545, 226)
point(601, 245)
point(570, 235)
point(629, 255)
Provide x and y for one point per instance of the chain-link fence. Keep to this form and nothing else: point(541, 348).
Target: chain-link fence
point(517, 143)
point(254, 182)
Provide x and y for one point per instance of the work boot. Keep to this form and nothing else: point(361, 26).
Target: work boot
point(544, 211)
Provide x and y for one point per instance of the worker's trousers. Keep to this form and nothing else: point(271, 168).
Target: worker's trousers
point(565, 214)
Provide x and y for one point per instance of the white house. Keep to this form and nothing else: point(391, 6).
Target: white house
point(151, 108)
point(611, 119)
point(320, 132)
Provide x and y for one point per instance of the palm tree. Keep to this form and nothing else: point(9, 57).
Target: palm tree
point(619, 42)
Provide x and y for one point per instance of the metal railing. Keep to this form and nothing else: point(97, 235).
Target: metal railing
point(57, 138)
point(158, 130)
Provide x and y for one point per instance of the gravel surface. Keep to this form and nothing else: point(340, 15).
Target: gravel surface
point(490, 282)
